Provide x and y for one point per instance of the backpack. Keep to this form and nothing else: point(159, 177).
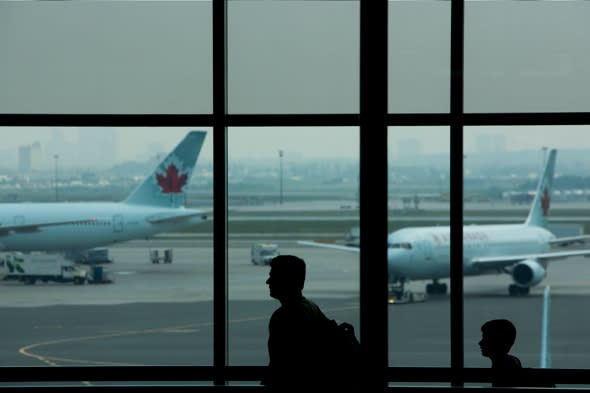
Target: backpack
point(342, 353)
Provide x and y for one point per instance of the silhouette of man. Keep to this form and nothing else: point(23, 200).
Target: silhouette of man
point(497, 337)
point(294, 347)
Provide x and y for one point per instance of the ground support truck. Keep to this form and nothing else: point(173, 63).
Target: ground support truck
point(95, 256)
point(32, 267)
point(262, 253)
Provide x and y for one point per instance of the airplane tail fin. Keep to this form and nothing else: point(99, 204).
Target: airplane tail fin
point(539, 213)
point(165, 185)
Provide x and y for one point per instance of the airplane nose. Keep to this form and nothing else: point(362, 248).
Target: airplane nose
point(395, 261)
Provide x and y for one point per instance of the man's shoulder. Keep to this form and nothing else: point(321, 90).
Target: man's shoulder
point(303, 309)
point(312, 309)
point(305, 302)
point(294, 308)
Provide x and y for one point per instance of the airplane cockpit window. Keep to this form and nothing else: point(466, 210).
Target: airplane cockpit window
point(405, 246)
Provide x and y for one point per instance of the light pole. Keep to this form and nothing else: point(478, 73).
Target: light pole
point(280, 177)
point(56, 157)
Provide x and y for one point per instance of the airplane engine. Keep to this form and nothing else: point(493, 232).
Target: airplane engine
point(528, 273)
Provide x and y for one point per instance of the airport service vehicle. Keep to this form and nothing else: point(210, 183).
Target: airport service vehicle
point(38, 266)
point(262, 253)
point(353, 237)
point(93, 256)
point(155, 206)
point(98, 275)
point(165, 256)
point(522, 251)
point(404, 297)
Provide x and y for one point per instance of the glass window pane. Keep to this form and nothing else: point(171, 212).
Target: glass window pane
point(293, 56)
point(503, 172)
point(111, 209)
point(418, 247)
point(294, 185)
point(419, 56)
point(526, 56)
point(106, 57)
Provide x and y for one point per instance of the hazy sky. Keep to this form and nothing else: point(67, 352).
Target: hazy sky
point(302, 142)
point(287, 56)
point(60, 57)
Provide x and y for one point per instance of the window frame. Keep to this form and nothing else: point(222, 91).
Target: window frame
point(373, 121)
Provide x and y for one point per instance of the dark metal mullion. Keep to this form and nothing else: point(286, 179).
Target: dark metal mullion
point(527, 119)
point(104, 120)
point(318, 120)
point(373, 191)
point(456, 166)
point(220, 336)
point(293, 120)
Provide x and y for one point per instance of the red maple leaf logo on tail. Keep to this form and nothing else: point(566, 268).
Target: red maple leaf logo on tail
point(170, 182)
point(545, 200)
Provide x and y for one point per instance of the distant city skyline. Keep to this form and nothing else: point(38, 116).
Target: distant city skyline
point(110, 146)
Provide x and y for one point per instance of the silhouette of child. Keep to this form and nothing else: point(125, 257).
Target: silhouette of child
point(497, 337)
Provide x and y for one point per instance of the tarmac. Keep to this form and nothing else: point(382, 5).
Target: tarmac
point(161, 314)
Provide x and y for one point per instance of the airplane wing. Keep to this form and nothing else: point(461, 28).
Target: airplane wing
point(34, 227)
point(570, 240)
point(170, 218)
point(328, 245)
point(495, 262)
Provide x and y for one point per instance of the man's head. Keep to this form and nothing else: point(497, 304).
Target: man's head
point(286, 277)
point(497, 337)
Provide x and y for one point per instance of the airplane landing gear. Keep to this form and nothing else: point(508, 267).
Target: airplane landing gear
point(515, 290)
point(436, 288)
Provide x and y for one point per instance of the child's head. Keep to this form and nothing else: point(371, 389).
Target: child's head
point(497, 337)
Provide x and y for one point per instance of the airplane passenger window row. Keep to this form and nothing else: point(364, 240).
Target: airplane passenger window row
point(93, 222)
point(406, 246)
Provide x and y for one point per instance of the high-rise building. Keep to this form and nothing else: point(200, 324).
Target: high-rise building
point(24, 159)
point(36, 156)
point(97, 147)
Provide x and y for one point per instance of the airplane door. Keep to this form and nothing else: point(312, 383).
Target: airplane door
point(19, 220)
point(117, 223)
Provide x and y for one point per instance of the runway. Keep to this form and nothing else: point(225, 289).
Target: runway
point(161, 314)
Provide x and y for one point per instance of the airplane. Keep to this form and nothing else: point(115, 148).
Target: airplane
point(156, 205)
point(520, 250)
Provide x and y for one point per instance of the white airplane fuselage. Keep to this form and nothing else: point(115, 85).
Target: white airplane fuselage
point(110, 222)
point(424, 253)
point(522, 251)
